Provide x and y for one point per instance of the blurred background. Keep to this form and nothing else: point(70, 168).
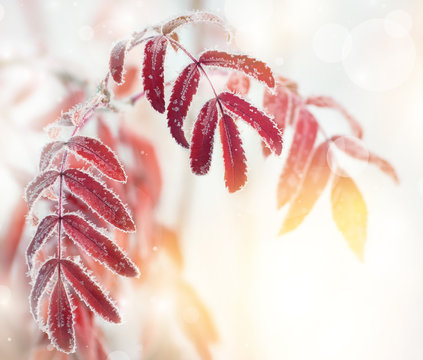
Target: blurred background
point(300, 296)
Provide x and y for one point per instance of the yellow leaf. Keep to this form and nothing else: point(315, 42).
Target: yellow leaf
point(350, 213)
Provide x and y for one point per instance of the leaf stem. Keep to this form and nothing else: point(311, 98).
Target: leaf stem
point(200, 66)
point(97, 100)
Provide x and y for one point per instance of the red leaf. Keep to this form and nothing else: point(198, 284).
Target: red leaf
point(100, 350)
point(89, 291)
point(129, 83)
point(298, 157)
point(73, 203)
point(40, 183)
point(250, 66)
point(238, 83)
point(351, 146)
point(233, 154)
point(48, 153)
point(44, 276)
point(102, 200)
point(152, 72)
point(315, 180)
point(327, 102)
point(289, 84)
point(105, 134)
point(202, 138)
point(98, 246)
point(87, 335)
point(117, 59)
point(256, 118)
point(85, 331)
point(356, 149)
point(384, 166)
point(99, 155)
point(183, 91)
point(146, 164)
point(196, 17)
point(44, 231)
point(60, 320)
point(282, 104)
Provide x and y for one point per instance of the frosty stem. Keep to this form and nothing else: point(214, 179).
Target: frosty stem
point(200, 66)
point(97, 100)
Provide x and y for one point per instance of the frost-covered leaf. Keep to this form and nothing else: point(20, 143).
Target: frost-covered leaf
point(238, 83)
point(350, 213)
point(90, 291)
point(298, 157)
point(203, 138)
point(40, 183)
point(44, 231)
point(233, 154)
point(73, 204)
point(195, 17)
point(117, 60)
point(249, 66)
point(153, 72)
point(45, 273)
point(315, 181)
point(98, 246)
point(182, 93)
point(328, 102)
point(48, 153)
point(99, 155)
point(102, 200)
point(356, 149)
point(60, 319)
point(262, 123)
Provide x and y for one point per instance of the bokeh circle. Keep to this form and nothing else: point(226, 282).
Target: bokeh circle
point(329, 42)
point(377, 61)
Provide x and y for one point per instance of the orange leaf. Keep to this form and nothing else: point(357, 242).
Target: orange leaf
point(315, 180)
point(196, 320)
